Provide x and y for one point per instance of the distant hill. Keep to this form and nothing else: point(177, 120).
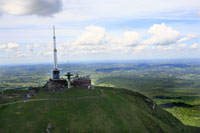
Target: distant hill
point(109, 69)
point(82, 110)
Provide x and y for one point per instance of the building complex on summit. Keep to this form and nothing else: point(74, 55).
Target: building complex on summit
point(57, 83)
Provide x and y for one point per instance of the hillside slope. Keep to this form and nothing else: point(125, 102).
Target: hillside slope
point(82, 110)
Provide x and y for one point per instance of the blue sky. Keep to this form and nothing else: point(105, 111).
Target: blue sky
point(98, 30)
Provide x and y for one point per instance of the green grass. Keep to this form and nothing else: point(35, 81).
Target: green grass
point(151, 86)
point(181, 79)
point(75, 92)
point(12, 91)
point(189, 116)
point(120, 111)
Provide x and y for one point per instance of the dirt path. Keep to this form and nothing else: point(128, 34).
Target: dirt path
point(55, 99)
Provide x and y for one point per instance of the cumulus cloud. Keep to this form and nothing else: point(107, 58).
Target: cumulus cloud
point(97, 40)
point(32, 47)
point(162, 35)
point(176, 47)
point(9, 46)
point(198, 13)
point(12, 45)
point(31, 7)
point(131, 37)
point(164, 48)
point(181, 46)
point(2, 47)
point(195, 45)
point(12, 48)
point(46, 50)
point(139, 48)
point(187, 38)
point(94, 35)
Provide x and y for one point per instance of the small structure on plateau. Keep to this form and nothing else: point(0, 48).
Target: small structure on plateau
point(84, 82)
point(56, 83)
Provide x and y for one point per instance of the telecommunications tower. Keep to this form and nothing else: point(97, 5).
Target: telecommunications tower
point(56, 72)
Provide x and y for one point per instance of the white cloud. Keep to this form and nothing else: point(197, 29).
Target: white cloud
point(12, 45)
point(2, 47)
point(180, 46)
point(175, 48)
point(46, 50)
point(96, 39)
point(131, 38)
point(162, 35)
point(164, 48)
point(198, 13)
point(103, 42)
point(195, 45)
point(139, 48)
point(187, 38)
point(32, 47)
point(11, 48)
point(31, 7)
point(94, 35)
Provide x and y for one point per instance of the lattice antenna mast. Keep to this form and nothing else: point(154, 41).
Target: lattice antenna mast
point(55, 50)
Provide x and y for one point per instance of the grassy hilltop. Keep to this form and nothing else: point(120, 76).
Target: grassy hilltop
point(81, 110)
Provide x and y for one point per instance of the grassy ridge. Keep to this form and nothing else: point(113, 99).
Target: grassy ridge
point(163, 90)
point(112, 110)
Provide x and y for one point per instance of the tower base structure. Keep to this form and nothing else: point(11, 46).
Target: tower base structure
point(56, 84)
point(56, 74)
